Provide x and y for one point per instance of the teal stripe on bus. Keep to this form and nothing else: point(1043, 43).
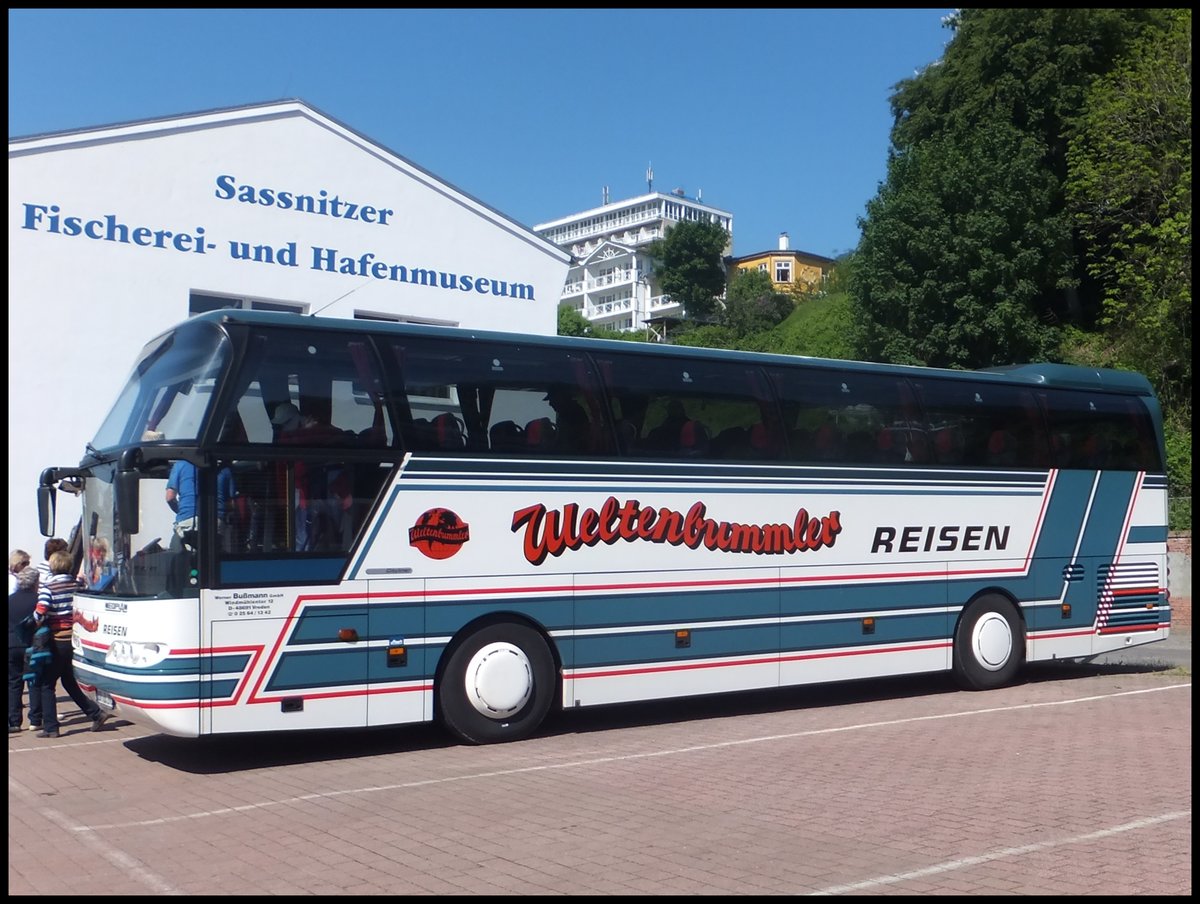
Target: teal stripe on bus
point(1147, 534)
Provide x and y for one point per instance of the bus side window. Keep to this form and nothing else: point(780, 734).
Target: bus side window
point(891, 446)
point(541, 436)
point(731, 444)
point(693, 440)
point(1094, 431)
point(627, 437)
point(1091, 453)
point(827, 443)
point(448, 432)
point(860, 447)
point(507, 436)
point(762, 444)
point(948, 444)
point(663, 436)
point(1002, 449)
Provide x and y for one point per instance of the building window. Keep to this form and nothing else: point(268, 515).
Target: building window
point(402, 318)
point(198, 303)
point(783, 271)
point(762, 267)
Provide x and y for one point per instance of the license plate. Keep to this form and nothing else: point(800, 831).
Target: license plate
point(104, 700)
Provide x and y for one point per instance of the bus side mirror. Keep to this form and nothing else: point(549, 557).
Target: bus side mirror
point(46, 499)
point(128, 501)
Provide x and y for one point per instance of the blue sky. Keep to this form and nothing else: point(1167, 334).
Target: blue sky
point(779, 117)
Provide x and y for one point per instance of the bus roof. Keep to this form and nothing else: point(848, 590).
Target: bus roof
point(1042, 374)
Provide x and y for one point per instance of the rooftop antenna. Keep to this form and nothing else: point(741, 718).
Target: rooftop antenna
point(339, 298)
point(604, 195)
point(650, 178)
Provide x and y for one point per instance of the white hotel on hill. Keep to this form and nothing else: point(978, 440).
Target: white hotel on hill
point(610, 280)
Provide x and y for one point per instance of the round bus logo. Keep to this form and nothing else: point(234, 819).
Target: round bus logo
point(438, 533)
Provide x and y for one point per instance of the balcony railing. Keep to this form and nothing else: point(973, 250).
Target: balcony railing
point(610, 279)
point(608, 308)
point(607, 224)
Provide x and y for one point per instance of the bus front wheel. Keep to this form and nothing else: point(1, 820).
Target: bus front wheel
point(989, 644)
point(498, 684)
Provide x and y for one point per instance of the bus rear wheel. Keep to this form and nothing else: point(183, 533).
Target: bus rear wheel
point(498, 684)
point(989, 644)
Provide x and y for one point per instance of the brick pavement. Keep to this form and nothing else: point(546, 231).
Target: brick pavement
point(1077, 781)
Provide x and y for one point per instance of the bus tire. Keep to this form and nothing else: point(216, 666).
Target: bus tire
point(498, 684)
point(989, 644)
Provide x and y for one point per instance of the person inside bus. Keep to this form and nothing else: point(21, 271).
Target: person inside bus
point(666, 436)
point(181, 498)
point(302, 429)
point(316, 516)
point(574, 427)
point(228, 520)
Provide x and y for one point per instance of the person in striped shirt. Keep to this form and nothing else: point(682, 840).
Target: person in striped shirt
point(56, 609)
point(53, 545)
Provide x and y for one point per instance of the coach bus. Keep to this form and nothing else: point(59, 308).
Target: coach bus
point(484, 528)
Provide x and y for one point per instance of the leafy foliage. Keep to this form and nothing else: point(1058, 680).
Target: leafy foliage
point(819, 328)
point(1038, 204)
point(968, 133)
point(753, 304)
point(571, 322)
point(957, 251)
point(688, 264)
point(1130, 191)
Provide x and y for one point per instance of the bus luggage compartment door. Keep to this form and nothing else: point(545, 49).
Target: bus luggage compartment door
point(399, 667)
point(290, 658)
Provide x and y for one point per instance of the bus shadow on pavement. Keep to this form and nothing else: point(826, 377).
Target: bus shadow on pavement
point(816, 696)
point(242, 752)
point(747, 703)
point(1066, 668)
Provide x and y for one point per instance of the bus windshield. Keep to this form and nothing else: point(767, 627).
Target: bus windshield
point(118, 563)
point(169, 391)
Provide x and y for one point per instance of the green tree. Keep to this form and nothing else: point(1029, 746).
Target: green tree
point(571, 322)
point(1130, 191)
point(689, 265)
point(977, 165)
point(753, 304)
point(957, 250)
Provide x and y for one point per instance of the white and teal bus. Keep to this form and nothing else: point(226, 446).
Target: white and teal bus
point(483, 528)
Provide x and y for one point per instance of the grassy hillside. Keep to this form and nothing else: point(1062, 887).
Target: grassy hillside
point(819, 327)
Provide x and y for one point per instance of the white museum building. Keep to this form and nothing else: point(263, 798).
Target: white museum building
point(117, 233)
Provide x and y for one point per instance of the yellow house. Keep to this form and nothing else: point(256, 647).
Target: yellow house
point(797, 272)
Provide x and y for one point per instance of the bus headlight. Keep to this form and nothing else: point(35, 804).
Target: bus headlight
point(134, 654)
